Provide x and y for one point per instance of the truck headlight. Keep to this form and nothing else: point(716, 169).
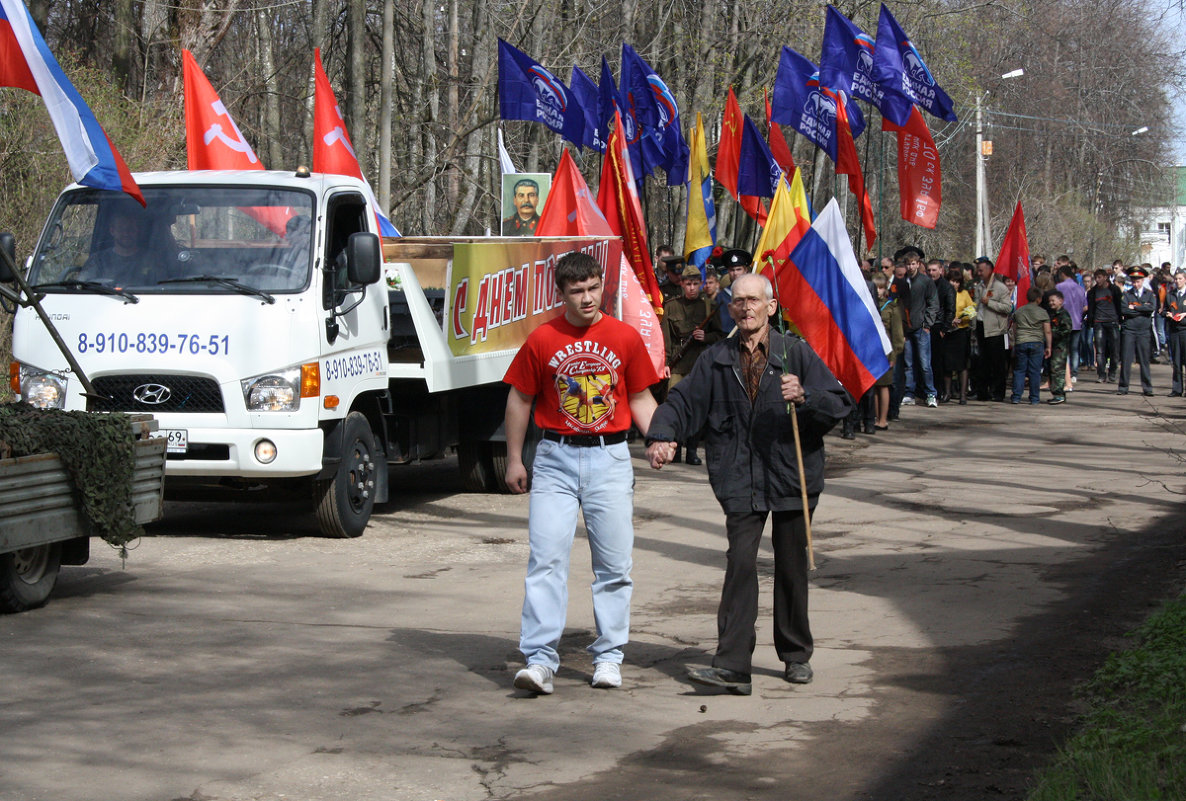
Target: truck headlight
point(282, 390)
point(43, 390)
point(274, 392)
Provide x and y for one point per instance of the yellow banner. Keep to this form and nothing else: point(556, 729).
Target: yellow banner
point(501, 290)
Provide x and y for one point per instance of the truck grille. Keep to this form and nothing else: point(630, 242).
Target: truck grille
point(155, 393)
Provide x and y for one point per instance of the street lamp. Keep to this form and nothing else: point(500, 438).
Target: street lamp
point(983, 150)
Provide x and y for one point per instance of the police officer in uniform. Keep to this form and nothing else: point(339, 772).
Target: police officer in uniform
point(690, 325)
point(1137, 304)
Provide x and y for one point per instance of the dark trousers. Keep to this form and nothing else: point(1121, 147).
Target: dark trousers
point(738, 611)
point(1138, 344)
point(992, 365)
point(1107, 349)
point(1176, 343)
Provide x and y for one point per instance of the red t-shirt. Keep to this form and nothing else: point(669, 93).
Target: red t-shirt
point(582, 378)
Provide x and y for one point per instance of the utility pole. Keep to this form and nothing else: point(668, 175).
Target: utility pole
point(981, 193)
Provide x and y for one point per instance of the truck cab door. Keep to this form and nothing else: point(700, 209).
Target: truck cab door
point(355, 310)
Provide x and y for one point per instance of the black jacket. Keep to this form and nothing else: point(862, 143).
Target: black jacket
point(750, 448)
point(946, 319)
point(1089, 320)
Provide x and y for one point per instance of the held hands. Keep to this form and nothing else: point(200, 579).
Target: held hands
point(660, 453)
point(517, 478)
point(792, 390)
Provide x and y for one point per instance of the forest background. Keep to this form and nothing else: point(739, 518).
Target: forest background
point(416, 81)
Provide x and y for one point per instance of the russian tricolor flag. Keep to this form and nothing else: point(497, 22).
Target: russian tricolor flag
point(822, 288)
point(27, 63)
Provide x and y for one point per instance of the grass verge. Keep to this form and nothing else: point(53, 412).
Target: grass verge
point(1132, 743)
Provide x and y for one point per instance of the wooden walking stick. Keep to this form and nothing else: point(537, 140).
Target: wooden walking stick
point(769, 257)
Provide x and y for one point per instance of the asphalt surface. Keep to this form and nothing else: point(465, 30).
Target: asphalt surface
point(974, 563)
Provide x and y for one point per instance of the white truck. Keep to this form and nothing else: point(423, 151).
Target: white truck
point(280, 343)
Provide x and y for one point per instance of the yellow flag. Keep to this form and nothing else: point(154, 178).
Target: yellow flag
point(698, 241)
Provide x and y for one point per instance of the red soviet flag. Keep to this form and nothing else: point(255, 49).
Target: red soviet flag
point(1014, 259)
point(212, 140)
point(617, 196)
point(333, 152)
point(729, 158)
point(919, 175)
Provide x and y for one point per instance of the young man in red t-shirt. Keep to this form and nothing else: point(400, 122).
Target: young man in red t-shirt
point(588, 375)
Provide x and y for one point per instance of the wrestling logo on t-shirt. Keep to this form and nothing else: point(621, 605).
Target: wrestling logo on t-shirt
point(585, 384)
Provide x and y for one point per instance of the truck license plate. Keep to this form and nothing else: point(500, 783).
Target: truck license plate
point(176, 440)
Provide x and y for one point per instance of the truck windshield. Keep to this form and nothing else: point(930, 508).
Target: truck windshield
point(257, 238)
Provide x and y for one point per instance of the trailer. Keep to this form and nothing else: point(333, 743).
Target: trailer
point(41, 526)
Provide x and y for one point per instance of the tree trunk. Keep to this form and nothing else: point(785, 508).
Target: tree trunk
point(319, 35)
point(123, 55)
point(357, 10)
point(451, 100)
point(432, 115)
point(387, 98)
point(271, 126)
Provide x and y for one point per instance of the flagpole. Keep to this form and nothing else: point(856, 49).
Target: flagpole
point(791, 411)
point(880, 195)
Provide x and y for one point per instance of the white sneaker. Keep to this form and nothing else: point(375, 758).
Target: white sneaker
point(907, 401)
point(932, 401)
point(535, 678)
point(607, 675)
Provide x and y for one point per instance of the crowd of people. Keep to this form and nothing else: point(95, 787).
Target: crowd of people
point(960, 331)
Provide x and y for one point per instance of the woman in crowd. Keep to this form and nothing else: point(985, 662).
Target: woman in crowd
point(957, 343)
point(890, 307)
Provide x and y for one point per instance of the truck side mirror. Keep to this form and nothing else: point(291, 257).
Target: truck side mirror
point(7, 265)
point(363, 259)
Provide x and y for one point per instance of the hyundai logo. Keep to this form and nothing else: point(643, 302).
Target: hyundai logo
point(152, 394)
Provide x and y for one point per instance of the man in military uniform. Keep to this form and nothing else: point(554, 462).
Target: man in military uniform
point(690, 325)
point(526, 203)
point(670, 268)
point(1137, 304)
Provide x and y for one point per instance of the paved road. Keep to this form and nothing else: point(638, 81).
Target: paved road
point(973, 563)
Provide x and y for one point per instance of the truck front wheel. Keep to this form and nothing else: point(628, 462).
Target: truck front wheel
point(344, 502)
point(28, 576)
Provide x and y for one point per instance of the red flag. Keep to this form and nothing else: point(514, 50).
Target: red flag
point(617, 196)
point(1014, 259)
point(729, 158)
point(778, 141)
point(919, 175)
point(333, 152)
point(848, 164)
point(212, 140)
point(570, 210)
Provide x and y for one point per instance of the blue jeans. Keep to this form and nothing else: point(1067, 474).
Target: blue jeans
point(600, 482)
point(1029, 365)
point(1073, 353)
point(917, 357)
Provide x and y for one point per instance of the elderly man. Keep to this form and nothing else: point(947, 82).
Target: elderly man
point(742, 391)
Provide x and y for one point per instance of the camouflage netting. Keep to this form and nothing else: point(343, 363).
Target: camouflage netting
point(98, 454)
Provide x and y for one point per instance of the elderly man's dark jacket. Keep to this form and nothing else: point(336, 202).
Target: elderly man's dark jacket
point(750, 447)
